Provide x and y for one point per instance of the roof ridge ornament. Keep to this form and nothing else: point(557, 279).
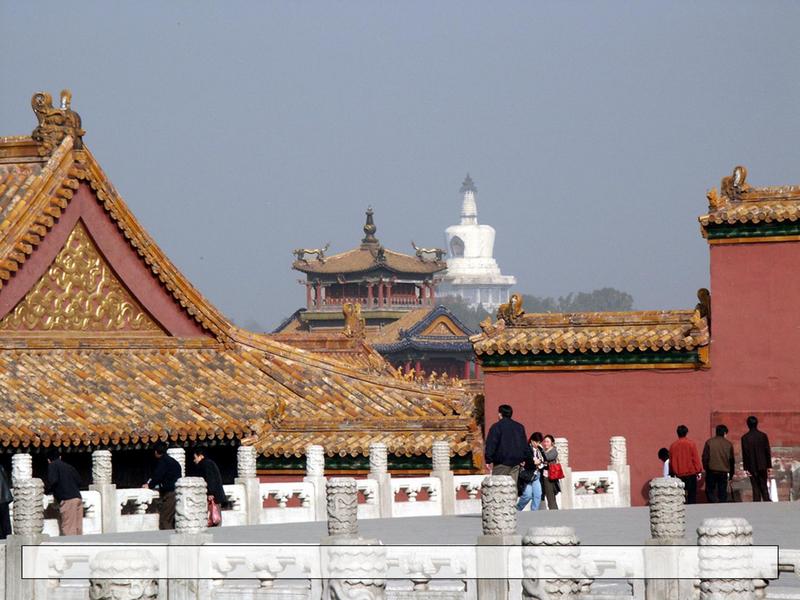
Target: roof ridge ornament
point(422, 252)
point(735, 183)
point(55, 123)
point(369, 230)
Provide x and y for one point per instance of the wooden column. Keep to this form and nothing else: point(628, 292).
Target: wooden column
point(418, 367)
point(466, 369)
point(309, 296)
point(380, 294)
point(389, 293)
point(369, 295)
point(318, 294)
point(432, 293)
point(407, 366)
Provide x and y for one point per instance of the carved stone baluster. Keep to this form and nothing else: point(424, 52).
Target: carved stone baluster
point(191, 505)
point(191, 521)
point(123, 575)
point(499, 525)
point(618, 461)
point(21, 468)
point(246, 461)
point(379, 471)
point(667, 532)
point(725, 550)
point(567, 498)
point(342, 506)
point(355, 568)
point(440, 452)
point(179, 454)
point(555, 572)
point(27, 525)
point(102, 477)
point(315, 475)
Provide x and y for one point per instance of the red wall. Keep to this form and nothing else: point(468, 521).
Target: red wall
point(755, 327)
point(755, 369)
point(588, 407)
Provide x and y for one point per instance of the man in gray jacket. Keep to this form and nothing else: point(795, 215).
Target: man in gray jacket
point(719, 464)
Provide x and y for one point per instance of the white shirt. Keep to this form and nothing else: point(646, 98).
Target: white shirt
point(666, 468)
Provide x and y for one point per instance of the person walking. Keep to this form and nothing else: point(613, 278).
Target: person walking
point(550, 487)
point(208, 470)
point(685, 463)
point(757, 459)
point(6, 498)
point(165, 475)
point(719, 465)
point(506, 444)
point(530, 477)
point(64, 483)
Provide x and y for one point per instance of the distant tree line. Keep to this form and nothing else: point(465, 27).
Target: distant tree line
point(604, 299)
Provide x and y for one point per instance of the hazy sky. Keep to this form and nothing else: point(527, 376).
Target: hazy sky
point(239, 131)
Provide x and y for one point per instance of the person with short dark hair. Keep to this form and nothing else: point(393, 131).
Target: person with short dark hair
point(719, 464)
point(165, 475)
point(757, 459)
point(208, 470)
point(663, 456)
point(506, 444)
point(685, 463)
point(529, 487)
point(64, 483)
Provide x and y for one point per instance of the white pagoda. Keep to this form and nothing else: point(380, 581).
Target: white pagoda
point(472, 272)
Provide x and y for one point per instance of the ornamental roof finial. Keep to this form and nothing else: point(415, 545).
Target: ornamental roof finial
point(468, 185)
point(55, 123)
point(369, 230)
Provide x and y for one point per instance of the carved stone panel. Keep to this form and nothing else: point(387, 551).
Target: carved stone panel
point(618, 451)
point(28, 510)
point(191, 505)
point(246, 461)
point(21, 468)
point(441, 456)
point(342, 501)
point(562, 444)
point(667, 509)
point(123, 575)
point(315, 461)
point(101, 467)
point(378, 458)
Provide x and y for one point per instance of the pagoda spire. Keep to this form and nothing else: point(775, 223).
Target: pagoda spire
point(369, 238)
point(469, 205)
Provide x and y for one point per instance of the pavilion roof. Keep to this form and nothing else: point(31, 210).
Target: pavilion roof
point(363, 260)
point(96, 378)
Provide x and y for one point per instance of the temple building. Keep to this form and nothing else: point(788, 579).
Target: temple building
point(393, 294)
point(472, 272)
point(105, 344)
point(588, 376)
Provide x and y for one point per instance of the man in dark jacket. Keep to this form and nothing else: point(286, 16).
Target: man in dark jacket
point(718, 463)
point(166, 473)
point(757, 459)
point(506, 444)
point(208, 470)
point(64, 483)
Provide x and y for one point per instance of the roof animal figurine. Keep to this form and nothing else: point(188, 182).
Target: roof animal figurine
point(735, 183)
point(379, 254)
point(300, 253)
point(511, 310)
point(422, 252)
point(55, 123)
point(353, 321)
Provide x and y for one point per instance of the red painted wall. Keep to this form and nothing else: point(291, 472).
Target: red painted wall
point(588, 407)
point(755, 327)
point(755, 369)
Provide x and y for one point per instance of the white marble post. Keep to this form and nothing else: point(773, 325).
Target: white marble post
point(315, 475)
point(667, 532)
point(379, 471)
point(191, 522)
point(342, 507)
point(102, 476)
point(27, 524)
point(21, 468)
point(246, 458)
point(124, 574)
point(179, 454)
point(618, 461)
point(440, 453)
point(567, 498)
point(565, 558)
point(723, 547)
point(355, 568)
point(499, 527)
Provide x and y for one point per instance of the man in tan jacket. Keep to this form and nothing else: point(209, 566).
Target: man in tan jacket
point(718, 463)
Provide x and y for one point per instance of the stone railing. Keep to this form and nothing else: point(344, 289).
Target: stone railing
point(250, 501)
point(721, 563)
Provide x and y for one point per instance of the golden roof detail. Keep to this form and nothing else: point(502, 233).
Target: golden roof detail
point(79, 292)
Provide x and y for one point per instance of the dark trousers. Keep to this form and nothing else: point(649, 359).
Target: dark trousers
point(690, 485)
point(549, 491)
point(717, 486)
point(5, 521)
point(758, 481)
point(166, 511)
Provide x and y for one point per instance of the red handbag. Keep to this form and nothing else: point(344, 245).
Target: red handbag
point(214, 512)
point(555, 472)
